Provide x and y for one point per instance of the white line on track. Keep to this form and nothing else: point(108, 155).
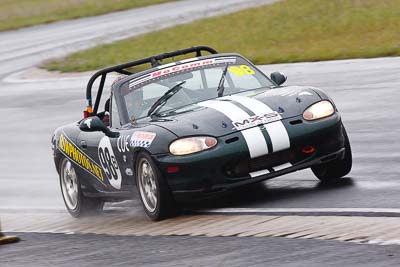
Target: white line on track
point(305, 211)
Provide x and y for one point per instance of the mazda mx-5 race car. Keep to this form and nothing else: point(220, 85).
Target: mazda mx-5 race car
point(194, 127)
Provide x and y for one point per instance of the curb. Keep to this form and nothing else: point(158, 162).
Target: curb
point(357, 229)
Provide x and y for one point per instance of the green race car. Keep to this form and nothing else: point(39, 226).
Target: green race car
point(194, 127)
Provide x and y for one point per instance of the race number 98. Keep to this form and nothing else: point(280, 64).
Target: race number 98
point(109, 163)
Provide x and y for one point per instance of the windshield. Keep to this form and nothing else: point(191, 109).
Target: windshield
point(202, 79)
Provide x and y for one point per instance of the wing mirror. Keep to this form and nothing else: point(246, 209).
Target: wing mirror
point(278, 77)
point(94, 124)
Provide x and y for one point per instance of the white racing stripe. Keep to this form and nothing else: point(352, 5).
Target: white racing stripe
point(254, 138)
point(276, 168)
point(258, 173)
point(283, 166)
point(276, 130)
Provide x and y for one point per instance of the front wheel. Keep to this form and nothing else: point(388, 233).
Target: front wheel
point(334, 170)
point(76, 203)
point(153, 191)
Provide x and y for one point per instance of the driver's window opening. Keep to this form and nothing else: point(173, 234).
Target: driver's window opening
point(115, 119)
point(104, 109)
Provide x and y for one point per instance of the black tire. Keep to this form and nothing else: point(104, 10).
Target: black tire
point(81, 206)
point(334, 170)
point(164, 205)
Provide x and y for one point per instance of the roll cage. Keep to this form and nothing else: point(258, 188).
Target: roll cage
point(122, 69)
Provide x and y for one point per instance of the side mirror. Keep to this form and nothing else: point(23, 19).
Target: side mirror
point(94, 124)
point(278, 77)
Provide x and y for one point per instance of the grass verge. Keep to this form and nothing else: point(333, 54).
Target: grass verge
point(21, 13)
point(287, 31)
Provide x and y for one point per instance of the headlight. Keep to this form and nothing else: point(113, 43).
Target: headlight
point(191, 145)
point(319, 110)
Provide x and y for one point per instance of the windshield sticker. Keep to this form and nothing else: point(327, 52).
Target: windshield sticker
point(256, 120)
point(175, 68)
point(241, 70)
point(75, 154)
point(109, 163)
point(142, 139)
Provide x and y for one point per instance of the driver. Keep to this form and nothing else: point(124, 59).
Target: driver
point(134, 104)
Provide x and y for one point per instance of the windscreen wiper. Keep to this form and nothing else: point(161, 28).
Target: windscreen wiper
point(164, 98)
point(221, 87)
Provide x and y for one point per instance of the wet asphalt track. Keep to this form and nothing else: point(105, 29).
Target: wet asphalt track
point(105, 250)
point(366, 91)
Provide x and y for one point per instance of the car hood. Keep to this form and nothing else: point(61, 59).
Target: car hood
point(217, 117)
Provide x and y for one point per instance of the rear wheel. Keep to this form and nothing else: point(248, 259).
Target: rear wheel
point(153, 191)
point(336, 169)
point(76, 203)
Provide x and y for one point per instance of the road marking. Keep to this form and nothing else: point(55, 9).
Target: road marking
point(315, 211)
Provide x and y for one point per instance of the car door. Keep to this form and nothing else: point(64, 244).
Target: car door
point(103, 149)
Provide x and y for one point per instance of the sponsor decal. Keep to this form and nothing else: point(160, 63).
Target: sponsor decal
point(142, 139)
point(109, 162)
point(88, 123)
point(256, 120)
point(129, 172)
point(180, 67)
point(174, 67)
point(72, 152)
point(138, 139)
point(123, 143)
point(241, 70)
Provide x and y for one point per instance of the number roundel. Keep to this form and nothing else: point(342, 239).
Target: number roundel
point(109, 163)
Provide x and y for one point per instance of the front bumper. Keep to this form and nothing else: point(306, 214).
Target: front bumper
point(228, 165)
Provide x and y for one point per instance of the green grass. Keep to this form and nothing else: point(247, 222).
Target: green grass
point(287, 31)
point(21, 13)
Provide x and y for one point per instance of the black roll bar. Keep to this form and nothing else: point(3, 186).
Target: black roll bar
point(153, 60)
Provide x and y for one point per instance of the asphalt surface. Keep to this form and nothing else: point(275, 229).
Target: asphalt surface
point(104, 250)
